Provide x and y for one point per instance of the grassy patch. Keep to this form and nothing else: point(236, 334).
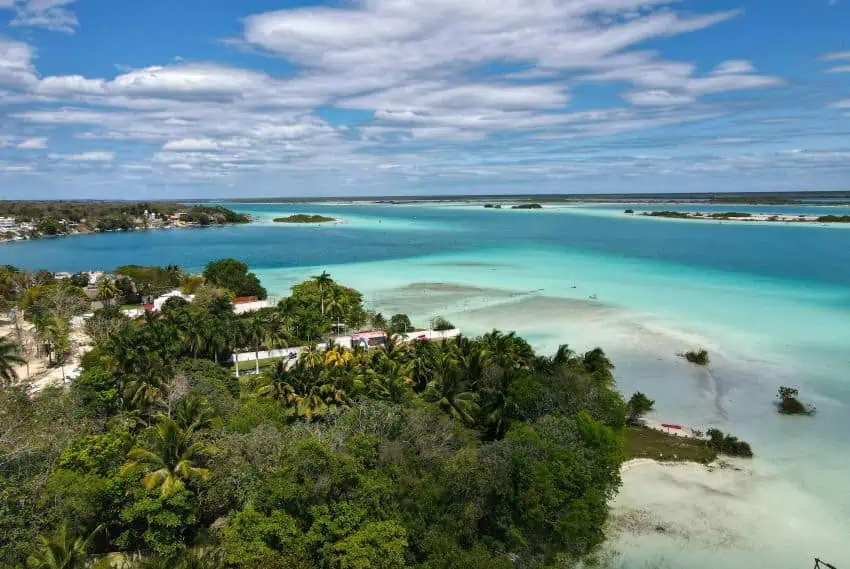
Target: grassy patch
point(265, 363)
point(642, 442)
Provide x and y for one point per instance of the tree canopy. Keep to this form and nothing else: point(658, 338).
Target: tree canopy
point(472, 452)
point(233, 275)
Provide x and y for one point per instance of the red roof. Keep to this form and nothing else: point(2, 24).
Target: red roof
point(245, 299)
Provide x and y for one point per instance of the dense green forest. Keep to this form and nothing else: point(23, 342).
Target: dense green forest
point(466, 453)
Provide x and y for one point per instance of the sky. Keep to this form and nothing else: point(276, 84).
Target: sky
point(219, 98)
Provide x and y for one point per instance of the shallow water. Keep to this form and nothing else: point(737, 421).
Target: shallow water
point(771, 303)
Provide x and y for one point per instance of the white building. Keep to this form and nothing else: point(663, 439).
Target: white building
point(7, 223)
point(160, 300)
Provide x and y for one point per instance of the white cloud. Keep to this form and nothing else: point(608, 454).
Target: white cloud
point(836, 56)
point(657, 97)
point(843, 104)
point(734, 66)
point(839, 69)
point(191, 144)
point(33, 144)
point(735, 75)
point(84, 157)
point(16, 69)
point(47, 14)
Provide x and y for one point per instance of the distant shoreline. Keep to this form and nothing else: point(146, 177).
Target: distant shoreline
point(744, 217)
point(132, 230)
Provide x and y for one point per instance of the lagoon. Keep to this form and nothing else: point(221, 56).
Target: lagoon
point(770, 302)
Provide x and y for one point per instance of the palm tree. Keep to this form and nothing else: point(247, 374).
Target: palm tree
point(321, 400)
point(107, 290)
point(277, 387)
point(254, 332)
point(337, 356)
point(62, 550)
point(390, 381)
point(451, 391)
point(596, 363)
point(9, 358)
point(335, 307)
point(324, 281)
point(171, 462)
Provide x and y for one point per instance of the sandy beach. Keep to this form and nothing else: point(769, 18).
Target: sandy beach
point(716, 516)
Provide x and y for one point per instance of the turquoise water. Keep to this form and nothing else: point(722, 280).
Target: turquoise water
point(770, 302)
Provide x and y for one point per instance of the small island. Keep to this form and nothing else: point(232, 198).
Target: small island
point(696, 357)
point(528, 206)
point(788, 403)
point(304, 218)
point(741, 216)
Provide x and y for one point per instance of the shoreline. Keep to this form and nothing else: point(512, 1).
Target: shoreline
point(734, 217)
point(134, 230)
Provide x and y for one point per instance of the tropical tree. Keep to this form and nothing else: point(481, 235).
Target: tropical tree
point(277, 385)
point(171, 460)
point(254, 332)
point(399, 324)
point(9, 358)
point(337, 356)
point(324, 281)
point(638, 406)
point(389, 381)
point(451, 391)
point(106, 290)
point(62, 550)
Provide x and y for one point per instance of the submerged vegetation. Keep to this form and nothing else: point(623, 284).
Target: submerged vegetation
point(697, 357)
point(788, 403)
point(528, 206)
point(304, 218)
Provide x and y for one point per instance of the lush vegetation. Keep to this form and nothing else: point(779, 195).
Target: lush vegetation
point(440, 324)
point(465, 453)
point(638, 406)
point(304, 218)
point(727, 444)
point(697, 357)
point(528, 206)
point(233, 275)
point(834, 219)
point(789, 404)
point(729, 215)
point(138, 282)
point(671, 214)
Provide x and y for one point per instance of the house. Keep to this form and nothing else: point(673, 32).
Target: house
point(370, 339)
point(160, 300)
point(7, 223)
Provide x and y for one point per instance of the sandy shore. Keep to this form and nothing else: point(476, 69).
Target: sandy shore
point(726, 514)
point(39, 374)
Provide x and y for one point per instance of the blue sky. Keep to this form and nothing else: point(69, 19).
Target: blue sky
point(215, 98)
